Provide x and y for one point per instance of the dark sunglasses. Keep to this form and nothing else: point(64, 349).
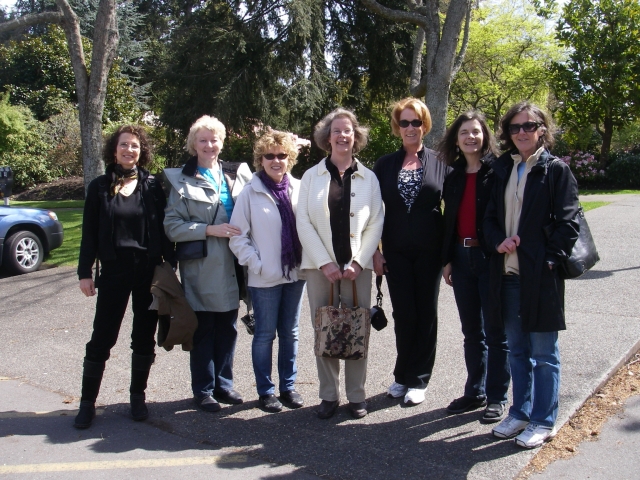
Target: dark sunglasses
point(272, 156)
point(414, 123)
point(528, 127)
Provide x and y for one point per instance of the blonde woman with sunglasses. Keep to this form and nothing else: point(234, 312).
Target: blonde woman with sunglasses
point(269, 246)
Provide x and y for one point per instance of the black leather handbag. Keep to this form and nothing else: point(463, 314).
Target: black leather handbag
point(584, 254)
point(194, 249)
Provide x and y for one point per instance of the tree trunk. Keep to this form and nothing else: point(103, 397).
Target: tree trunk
point(607, 135)
point(433, 79)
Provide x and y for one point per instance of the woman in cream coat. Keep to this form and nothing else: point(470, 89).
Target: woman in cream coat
point(340, 222)
point(268, 245)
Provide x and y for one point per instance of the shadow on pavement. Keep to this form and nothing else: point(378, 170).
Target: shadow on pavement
point(412, 446)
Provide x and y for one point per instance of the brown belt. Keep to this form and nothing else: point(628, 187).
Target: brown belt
point(469, 242)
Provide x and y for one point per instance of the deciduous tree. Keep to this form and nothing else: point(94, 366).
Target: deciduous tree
point(440, 31)
point(600, 82)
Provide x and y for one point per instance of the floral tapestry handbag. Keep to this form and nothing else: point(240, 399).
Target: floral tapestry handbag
point(342, 332)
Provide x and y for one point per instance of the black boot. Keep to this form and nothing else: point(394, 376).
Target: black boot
point(140, 366)
point(91, 379)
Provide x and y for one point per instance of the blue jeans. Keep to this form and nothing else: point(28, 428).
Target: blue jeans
point(534, 360)
point(485, 342)
point(276, 309)
point(214, 345)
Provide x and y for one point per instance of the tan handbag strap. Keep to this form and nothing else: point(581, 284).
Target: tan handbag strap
point(355, 294)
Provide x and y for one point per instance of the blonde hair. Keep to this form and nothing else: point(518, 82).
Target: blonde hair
point(322, 132)
point(414, 104)
point(271, 139)
point(205, 122)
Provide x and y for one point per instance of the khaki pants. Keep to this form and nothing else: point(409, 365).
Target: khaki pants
point(355, 371)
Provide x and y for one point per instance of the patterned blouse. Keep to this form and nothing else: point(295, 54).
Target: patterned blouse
point(409, 185)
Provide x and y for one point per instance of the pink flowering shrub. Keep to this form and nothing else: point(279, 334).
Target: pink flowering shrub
point(584, 166)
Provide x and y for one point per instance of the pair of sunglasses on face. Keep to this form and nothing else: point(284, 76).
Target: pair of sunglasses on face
point(528, 127)
point(414, 123)
point(273, 156)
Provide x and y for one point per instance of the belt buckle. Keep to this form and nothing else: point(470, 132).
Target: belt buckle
point(464, 242)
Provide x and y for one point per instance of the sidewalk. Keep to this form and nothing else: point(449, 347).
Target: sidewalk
point(46, 322)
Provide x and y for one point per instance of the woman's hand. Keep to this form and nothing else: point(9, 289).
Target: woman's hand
point(446, 274)
point(379, 263)
point(352, 271)
point(224, 230)
point(87, 287)
point(509, 244)
point(331, 271)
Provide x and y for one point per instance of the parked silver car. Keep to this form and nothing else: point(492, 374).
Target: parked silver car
point(27, 235)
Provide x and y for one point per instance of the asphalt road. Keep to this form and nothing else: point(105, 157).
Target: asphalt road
point(46, 322)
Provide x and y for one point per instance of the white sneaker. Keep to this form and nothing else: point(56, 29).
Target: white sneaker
point(509, 427)
point(535, 435)
point(396, 390)
point(414, 396)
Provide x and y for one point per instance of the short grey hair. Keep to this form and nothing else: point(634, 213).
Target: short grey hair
point(322, 132)
point(208, 123)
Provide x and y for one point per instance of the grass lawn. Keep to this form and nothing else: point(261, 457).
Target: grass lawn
point(67, 253)
point(50, 205)
point(608, 192)
point(586, 206)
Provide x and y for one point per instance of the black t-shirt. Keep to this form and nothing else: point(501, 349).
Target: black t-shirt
point(129, 222)
point(339, 203)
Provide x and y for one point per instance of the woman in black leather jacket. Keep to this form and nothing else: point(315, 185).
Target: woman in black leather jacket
point(468, 146)
point(122, 227)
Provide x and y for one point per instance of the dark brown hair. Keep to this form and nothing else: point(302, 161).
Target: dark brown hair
point(546, 139)
point(111, 144)
point(447, 146)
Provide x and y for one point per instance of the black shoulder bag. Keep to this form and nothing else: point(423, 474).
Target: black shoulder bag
point(584, 254)
point(194, 249)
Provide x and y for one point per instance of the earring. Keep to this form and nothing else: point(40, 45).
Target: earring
point(457, 149)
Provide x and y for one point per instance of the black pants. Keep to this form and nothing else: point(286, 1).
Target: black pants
point(129, 275)
point(414, 285)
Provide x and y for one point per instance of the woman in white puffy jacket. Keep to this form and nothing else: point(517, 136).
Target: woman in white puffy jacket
point(269, 246)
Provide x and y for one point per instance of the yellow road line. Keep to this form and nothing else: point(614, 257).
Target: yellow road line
point(120, 464)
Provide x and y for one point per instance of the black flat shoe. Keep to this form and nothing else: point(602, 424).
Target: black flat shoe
point(85, 416)
point(358, 410)
point(327, 409)
point(270, 403)
point(208, 404)
point(464, 404)
point(292, 398)
point(229, 396)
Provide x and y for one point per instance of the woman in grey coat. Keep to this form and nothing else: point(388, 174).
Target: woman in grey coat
point(200, 204)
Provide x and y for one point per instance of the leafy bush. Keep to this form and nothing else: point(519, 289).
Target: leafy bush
point(585, 168)
point(624, 171)
point(62, 134)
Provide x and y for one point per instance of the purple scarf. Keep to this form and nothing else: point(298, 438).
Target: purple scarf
point(291, 254)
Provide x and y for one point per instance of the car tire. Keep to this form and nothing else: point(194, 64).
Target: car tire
point(23, 252)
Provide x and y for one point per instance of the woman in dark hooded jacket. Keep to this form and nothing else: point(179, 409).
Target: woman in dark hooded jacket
point(532, 230)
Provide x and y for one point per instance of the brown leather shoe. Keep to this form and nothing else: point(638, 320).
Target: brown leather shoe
point(327, 409)
point(358, 410)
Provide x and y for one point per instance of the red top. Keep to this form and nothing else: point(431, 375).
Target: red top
point(466, 222)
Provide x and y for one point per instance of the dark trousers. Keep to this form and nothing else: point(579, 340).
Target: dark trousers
point(214, 345)
point(414, 285)
point(485, 342)
point(129, 275)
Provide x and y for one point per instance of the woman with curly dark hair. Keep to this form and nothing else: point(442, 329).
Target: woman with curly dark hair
point(122, 228)
point(468, 147)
